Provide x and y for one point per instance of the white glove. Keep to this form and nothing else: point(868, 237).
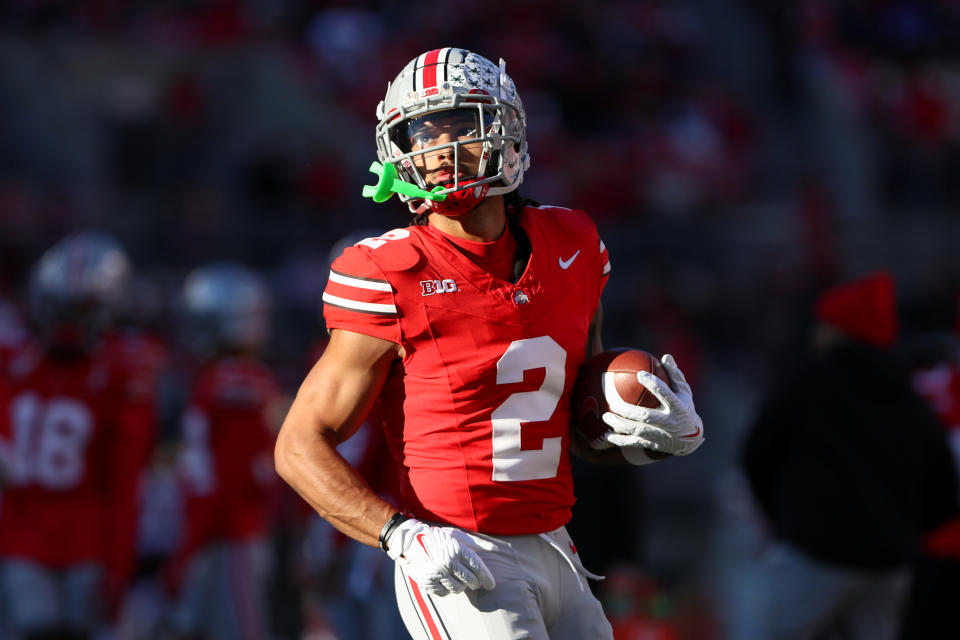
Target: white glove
point(439, 559)
point(673, 428)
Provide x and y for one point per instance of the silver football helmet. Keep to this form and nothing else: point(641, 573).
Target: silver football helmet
point(78, 286)
point(226, 307)
point(475, 89)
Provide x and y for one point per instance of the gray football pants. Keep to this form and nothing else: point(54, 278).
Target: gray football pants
point(541, 594)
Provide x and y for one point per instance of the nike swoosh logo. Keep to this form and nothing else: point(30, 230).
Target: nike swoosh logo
point(565, 264)
point(419, 538)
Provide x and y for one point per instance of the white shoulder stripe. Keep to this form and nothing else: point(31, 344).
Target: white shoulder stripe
point(356, 305)
point(603, 247)
point(360, 283)
point(606, 269)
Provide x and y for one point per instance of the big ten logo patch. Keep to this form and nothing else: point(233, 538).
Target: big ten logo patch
point(430, 287)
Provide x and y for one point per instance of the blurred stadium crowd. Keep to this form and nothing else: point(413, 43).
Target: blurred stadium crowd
point(738, 156)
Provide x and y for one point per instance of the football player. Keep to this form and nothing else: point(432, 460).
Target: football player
point(468, 327)
point(78, 438)
point(225, 457)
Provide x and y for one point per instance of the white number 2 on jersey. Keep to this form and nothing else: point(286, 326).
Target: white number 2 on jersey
point(50, 440)
point(510, 462)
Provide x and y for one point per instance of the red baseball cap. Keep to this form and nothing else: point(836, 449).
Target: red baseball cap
point(864, 309)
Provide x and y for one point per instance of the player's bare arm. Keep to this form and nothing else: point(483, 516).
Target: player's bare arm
point(330, 406)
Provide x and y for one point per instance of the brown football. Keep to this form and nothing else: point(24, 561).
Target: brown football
point(588, 399)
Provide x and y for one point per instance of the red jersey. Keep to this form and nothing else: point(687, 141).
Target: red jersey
point(477, 414)
point(142, 357)
point(226, 460)
point(75, 458)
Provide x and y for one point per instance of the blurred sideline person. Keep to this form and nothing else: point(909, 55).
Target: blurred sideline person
point(467, 329)
point(76, 425)
point(225, 460)
point(141, 342)
point(850, 468)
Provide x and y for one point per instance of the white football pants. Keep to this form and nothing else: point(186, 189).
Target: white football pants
point(541, 594)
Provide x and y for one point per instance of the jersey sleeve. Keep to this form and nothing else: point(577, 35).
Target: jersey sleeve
point(577, 223)
point(359, 298)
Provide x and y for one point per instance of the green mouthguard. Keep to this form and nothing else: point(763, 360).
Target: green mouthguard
point(388, 185)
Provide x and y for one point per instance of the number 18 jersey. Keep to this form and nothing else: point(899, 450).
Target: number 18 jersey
point(477, 414)
point(76, 441)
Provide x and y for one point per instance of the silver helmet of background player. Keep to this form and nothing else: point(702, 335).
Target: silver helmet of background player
point(452, 78)
point(226, 307)
point(78, 287)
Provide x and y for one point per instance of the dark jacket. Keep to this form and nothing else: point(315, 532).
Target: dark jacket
point(848, 463)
